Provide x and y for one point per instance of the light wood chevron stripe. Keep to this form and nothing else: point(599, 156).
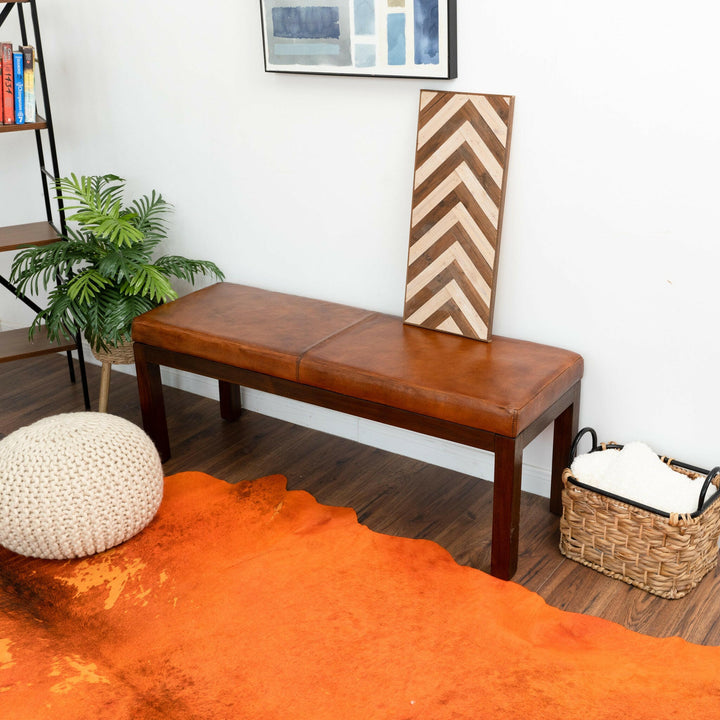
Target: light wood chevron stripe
point(459, 189)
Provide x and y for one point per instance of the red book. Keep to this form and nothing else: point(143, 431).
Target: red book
point(8, 92)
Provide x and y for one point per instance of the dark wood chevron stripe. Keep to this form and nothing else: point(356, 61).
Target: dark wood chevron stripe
point(459, 191)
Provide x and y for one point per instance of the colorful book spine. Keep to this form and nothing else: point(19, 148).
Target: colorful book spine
point(8, 84)
point(18, 72)
point(29, 82)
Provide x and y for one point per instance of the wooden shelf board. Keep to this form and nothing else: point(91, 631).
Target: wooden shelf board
point(41, 124)
point(14, 237)
point(14, 345)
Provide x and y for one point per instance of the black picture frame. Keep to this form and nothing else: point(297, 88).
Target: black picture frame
point(366, 38)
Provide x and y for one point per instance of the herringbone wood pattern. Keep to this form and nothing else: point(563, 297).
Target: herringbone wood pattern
point(460, 172)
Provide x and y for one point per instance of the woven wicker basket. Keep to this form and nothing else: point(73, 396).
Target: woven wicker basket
point(666, 554)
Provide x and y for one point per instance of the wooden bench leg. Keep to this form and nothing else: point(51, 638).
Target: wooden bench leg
point(506, 507)
point(230, 404)
point(565, 429)
point(152, 403)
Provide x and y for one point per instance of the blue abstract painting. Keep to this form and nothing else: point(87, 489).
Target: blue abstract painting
point(398, 38)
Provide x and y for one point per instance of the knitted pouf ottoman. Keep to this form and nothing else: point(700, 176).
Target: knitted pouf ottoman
point(76, 484)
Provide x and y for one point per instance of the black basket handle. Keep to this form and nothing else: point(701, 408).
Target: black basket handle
point(710, 477)
point(576, 442)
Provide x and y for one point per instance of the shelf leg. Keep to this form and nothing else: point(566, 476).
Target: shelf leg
point(83, 373)
point(71, 367)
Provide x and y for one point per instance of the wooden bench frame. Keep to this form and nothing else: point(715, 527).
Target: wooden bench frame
point(508, 450)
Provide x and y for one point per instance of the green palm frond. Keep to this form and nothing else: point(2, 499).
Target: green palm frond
point(97, 202)
point(150, 213)
point(98, 192)
point(63, 318)
point(151, 282)
point(34, 265)
point(185, 269)
point(123, 263)
point(78, 194)
point(86, 286)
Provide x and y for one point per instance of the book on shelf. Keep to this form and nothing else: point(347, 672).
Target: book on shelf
point(7, 106)
point(19, 81)
point(17, 85)
point(28, 53)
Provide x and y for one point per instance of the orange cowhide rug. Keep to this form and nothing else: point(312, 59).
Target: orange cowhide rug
point(248, 601)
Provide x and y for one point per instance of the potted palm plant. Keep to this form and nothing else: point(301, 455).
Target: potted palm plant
point(103, 274)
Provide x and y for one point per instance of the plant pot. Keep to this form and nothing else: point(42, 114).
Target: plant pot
point(119, 355)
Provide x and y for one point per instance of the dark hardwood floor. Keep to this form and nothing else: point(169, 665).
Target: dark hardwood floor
point(390, 493)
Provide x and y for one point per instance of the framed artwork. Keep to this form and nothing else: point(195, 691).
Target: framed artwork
point(383, 38)
point(461, 161)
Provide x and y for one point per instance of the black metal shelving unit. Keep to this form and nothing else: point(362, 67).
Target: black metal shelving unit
point(15, 344)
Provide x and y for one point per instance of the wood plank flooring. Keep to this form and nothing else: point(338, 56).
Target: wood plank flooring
point(390, 493)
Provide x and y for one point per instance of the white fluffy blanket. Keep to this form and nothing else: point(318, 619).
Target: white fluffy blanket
point(638, 474)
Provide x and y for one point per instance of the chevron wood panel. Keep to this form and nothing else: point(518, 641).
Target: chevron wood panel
point(459, 190)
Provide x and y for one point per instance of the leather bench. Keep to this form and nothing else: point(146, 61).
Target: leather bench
point(495, 396)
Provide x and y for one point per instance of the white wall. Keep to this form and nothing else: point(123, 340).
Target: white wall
point(303, 183)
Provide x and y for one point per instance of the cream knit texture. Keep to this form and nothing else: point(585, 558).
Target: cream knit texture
point(76, 484)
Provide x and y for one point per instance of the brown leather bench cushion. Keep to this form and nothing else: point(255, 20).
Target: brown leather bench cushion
point(500, 387)
point(245, 327)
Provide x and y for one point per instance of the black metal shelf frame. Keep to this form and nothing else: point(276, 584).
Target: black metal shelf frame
point(49, 177)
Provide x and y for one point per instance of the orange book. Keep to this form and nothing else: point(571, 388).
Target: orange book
point(8, 93)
